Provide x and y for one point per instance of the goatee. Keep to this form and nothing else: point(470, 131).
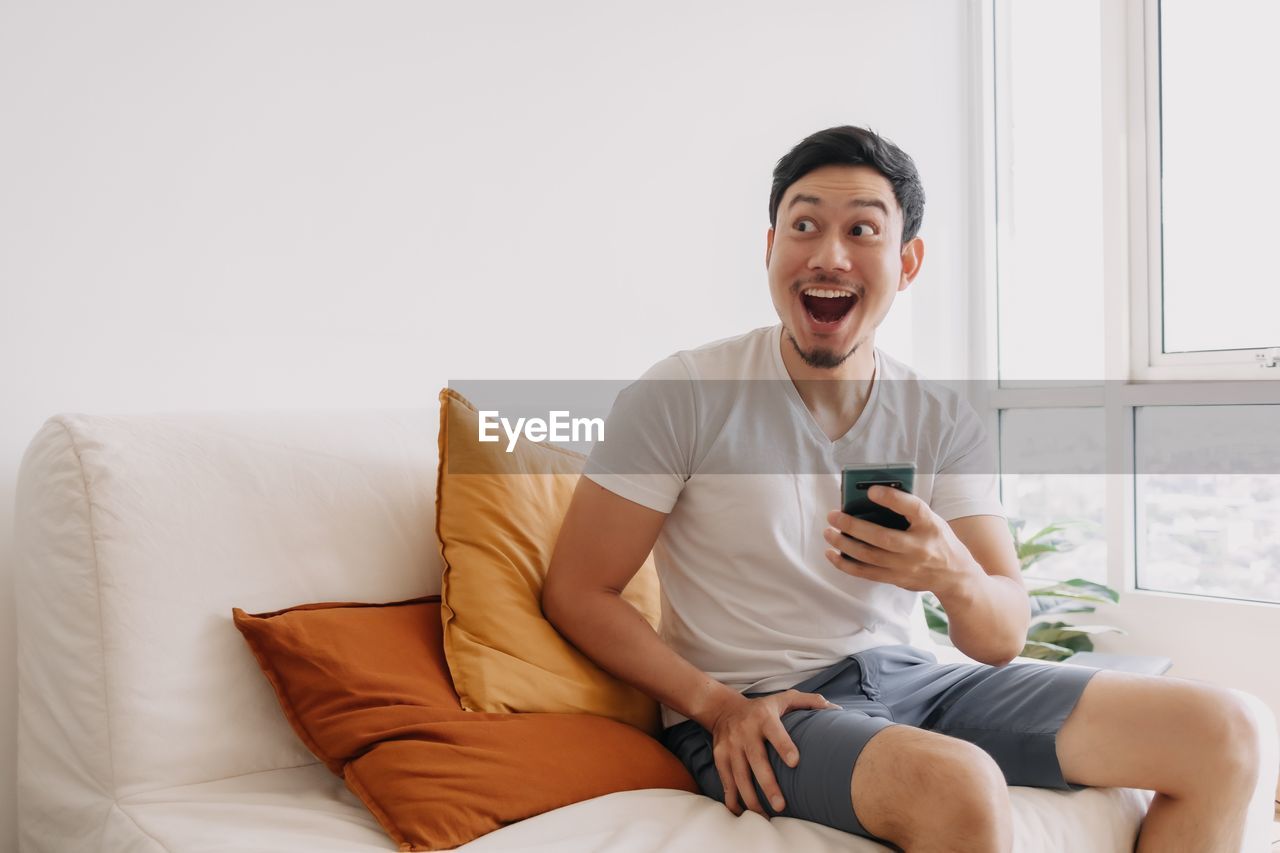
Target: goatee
point(823, 359)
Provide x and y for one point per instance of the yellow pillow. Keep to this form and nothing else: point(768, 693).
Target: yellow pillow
point(497, 518)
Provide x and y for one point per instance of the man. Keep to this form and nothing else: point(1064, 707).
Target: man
point(784, 668)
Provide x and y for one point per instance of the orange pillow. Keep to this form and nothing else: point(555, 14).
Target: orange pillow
point(367, 689)
point(497, 518)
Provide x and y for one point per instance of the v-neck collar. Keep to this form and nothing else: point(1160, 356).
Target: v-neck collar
point(793, 394)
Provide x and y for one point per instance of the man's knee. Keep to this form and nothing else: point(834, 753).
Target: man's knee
point(1216, 735)
point(1233, 738)
point(910, 786)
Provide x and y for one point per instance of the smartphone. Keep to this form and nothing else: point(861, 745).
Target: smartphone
point(856, 479)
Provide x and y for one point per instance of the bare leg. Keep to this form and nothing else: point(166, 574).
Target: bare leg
point(1195, 745)
point(929, 792)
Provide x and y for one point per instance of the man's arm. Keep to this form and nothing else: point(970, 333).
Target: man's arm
point(603, 542)
point(989, 614)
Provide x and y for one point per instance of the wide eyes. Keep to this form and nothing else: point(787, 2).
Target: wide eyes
point(862, 229)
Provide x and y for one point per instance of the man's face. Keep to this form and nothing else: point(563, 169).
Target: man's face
point(836, 261)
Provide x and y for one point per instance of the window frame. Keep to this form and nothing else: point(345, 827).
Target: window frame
point(1148, 361)
point(1136, 372)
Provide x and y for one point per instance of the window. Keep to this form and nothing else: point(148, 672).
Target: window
point(1131, 291)
point(1052, 460)
point(1207, 500)
point(1050, 194)
point(1217, 165)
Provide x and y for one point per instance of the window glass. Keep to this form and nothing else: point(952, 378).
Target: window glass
point(1052, 464)
point(1220, 173)
point(1208, 487)
point(1049, 213)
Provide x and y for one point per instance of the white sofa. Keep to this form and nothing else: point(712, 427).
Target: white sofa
point(146, 725)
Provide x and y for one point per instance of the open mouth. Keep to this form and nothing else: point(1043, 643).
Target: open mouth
point(827, 307)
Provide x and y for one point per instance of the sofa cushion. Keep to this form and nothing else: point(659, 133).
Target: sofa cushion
point(497, 517)
point(367, 689)
point(307, 810)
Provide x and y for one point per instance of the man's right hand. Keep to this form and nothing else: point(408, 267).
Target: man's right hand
point(739, 731)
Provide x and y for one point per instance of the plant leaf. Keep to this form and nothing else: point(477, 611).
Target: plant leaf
point(1043, 604)
point(1045, 531)
point(1045, 651)
point(1101, 589)
point(1079, 589)
point(1090, 629)
point(1058, 592)
point(1060, 634)
point(1075, 637)
point(936, 619)
point(1077, 643)
point(1038, 548)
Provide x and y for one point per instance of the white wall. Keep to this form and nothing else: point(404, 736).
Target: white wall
point(321, 204)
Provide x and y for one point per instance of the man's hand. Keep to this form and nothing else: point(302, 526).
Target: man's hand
point(738, 734)
point(926, 557)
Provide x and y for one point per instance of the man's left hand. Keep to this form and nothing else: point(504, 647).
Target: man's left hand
point(926, 557)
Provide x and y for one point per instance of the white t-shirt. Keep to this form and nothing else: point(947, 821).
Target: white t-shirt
point(719, 438)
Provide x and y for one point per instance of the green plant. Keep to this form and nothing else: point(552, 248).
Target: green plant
point(1047, 638)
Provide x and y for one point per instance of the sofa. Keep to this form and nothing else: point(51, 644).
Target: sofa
point(145, 723)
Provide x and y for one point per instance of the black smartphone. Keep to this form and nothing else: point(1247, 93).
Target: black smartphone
point(856, 479)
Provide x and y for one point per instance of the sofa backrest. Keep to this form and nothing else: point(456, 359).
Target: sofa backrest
point(135, 538)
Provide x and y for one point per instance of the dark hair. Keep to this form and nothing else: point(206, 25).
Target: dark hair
point(853, 146)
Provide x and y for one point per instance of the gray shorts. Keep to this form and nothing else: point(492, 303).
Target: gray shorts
point(1013, 712)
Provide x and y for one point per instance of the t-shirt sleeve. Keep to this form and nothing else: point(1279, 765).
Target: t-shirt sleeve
point(646, 454)
point(967, 482)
